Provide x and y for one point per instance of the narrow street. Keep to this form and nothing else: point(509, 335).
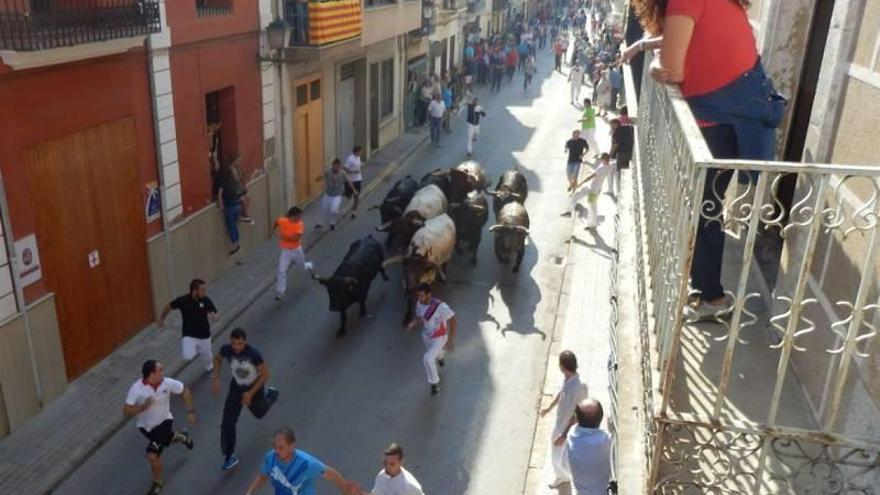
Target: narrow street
point(347, 399)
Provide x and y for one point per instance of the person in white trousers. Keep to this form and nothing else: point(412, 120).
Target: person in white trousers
point(438, 332)
point(197, 312)
point(576, 78)
point(572, 392)
point(596, 178)
point(475, 113)
point(335, 181)
point(289, 230)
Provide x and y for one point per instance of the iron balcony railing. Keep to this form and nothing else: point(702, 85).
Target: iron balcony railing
point(772, 397)
point(208, 8)
point(322, 23)
point(28, 25)
point(476, 6)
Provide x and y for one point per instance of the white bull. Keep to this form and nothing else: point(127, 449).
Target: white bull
point(429, 201)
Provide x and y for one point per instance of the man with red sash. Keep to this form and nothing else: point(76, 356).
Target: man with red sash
point(438, 332)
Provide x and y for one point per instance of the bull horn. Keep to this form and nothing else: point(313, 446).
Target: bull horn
point(496, 227)
point(478, 207)
point(492, 193)
point(522, 230)
point(320, 280)
point(516, 196)
point(384, 227)
point(392, 260)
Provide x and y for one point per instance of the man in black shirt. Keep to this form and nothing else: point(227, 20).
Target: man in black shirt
point(576, 147)
point(197, 311)
point(622, 142)
point(249, 376)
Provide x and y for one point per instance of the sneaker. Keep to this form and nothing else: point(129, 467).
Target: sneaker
point(230, 462)
point(435, 388)
point(279, 297)
point(557, 483)
point(247, 220)
point(332, 227)
point(183, 437)
point(353, 215)
point(234, 250)
point(309, 266)
point(155, 488)
point(318, 226)
point(441, 362)
point(272, 395)
point(565, 214)
point(700, 310)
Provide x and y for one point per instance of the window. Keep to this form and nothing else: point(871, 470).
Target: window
point(221, 137)
point(378, 3)
point(213, 8)
point(386, 88)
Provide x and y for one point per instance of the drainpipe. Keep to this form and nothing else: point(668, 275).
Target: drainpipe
point(281, 142)
point(163, 203)
point(16, 284)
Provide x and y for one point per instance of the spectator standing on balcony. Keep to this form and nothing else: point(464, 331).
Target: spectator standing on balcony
point(572, 392)
point(335, 181)
point(436, 110)
point(733, 100)
point(588, 448)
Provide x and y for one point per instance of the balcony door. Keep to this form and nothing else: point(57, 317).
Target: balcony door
point(308, 138)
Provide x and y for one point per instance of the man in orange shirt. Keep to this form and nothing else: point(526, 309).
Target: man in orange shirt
point(289, 230)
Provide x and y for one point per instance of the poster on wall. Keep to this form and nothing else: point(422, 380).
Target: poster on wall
point(29, 260)
point(152, 205)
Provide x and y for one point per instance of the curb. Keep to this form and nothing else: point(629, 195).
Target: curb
point(234, 312)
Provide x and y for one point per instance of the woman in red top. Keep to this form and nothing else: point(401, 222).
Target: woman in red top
point(707, 47)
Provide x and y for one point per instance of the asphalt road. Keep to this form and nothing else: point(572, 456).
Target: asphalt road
point(348, 399)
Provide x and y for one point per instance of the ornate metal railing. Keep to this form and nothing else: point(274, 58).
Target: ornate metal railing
point(732, 403)
point(28, 25)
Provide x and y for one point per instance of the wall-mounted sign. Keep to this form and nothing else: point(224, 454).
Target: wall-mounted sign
point(94, 259)
point(29, 270)
point(152, 205)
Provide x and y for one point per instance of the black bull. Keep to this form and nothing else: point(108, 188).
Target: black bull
point(511, 230)
point(470, 216)
point(395, 201)
point(350, 283)
point(512, 186)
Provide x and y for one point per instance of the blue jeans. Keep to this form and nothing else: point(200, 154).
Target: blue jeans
point(435, 128)
point(231, 212)
point(709, 244)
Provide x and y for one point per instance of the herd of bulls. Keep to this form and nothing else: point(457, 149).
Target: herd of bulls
point(426, 222)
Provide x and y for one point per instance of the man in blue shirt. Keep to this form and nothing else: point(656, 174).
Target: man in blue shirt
point(294, 472)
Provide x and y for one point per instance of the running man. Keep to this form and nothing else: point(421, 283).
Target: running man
point(438, 332)
point(249, 376)
point(294, 472)
point(150, 400)
point(394, 479)
point(572, 392)
point(289, 230)
point(197, 311)
point(596, 179)
point(352, 167)
point(576, 147)
point(588, 125)
point(475, 113)
point(335, 181)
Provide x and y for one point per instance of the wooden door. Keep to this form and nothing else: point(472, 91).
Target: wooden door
point(308, 138)
point(89, 202)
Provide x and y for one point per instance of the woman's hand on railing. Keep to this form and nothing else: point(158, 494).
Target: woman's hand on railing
point(631, 51)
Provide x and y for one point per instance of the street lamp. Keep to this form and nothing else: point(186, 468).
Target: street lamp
point(278, 35)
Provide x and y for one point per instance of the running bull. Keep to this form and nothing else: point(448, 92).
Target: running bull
point(429, 250)
point(470, 216)
point(397, 199)
point(427, 203)
point(512, 186)
point(350, 283)
point(457, 182)
point(511, 229)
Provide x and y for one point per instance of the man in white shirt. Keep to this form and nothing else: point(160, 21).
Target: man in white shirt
point(589, 450)
point(475, 114)
point(596, 179)
point(576, 78)
point(438, 332)
point(394, 479)
point(352, 167)
point(436, 110)
point(150, 400)
point(573, 391)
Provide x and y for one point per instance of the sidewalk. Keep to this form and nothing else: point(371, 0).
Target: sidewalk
point(51, 445)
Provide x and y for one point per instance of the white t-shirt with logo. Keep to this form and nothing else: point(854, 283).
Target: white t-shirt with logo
point(160, 409)
point(402, 484)
point(352, 167)
point(602, 171)
point(435, 326)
